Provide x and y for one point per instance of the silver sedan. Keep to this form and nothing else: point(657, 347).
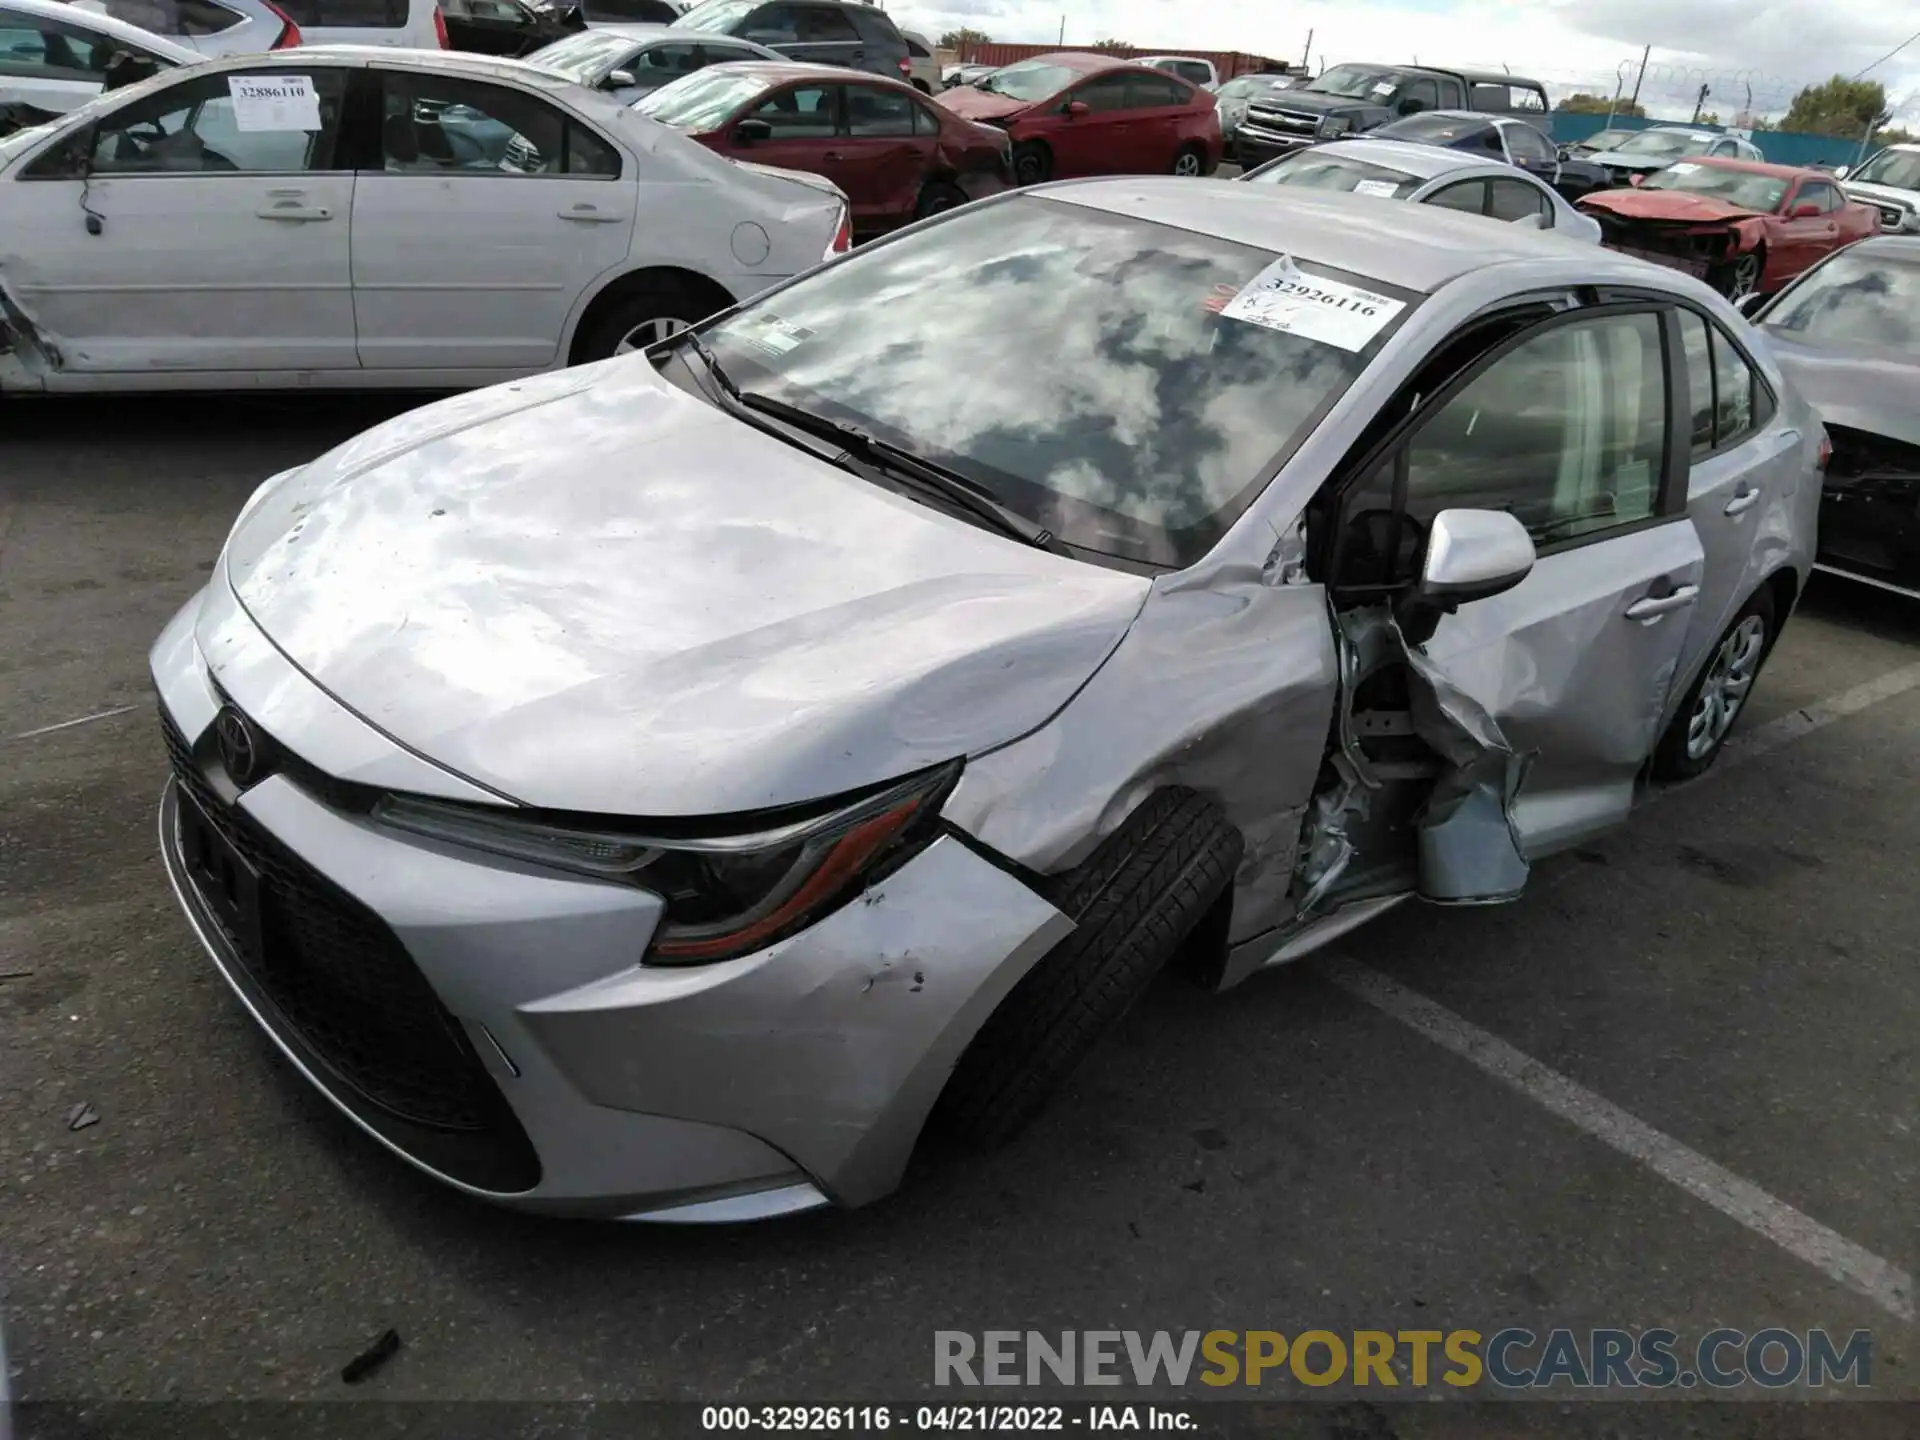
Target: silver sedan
point(1429, 175)
point(662, 788)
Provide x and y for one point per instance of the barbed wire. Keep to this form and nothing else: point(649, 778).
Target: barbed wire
point(1671, 85)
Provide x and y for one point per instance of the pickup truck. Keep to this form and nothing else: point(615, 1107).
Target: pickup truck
point(1349, 99)
point(1890, 182)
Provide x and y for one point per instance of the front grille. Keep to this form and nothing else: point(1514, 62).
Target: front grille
point(343, 982)
point(1892, 217)
point(1288, 124)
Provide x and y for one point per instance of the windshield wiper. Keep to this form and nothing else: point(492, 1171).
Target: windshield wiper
point(915, 469)
point(714, 368)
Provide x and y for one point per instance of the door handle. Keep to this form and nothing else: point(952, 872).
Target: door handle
point(1744, 499)
point(287, 211)
point(590, 216)
point(834, 155)
point(1652, 607)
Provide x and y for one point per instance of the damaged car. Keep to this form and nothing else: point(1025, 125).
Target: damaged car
point(1745, 227)
point(661, 789)
point(1848, 337)
point(257, 223)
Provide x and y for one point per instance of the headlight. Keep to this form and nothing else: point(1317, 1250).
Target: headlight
point(726, 895)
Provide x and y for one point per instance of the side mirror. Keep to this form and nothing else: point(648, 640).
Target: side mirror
point(1472, 554)
point(1074, 109)
point(619, 80)
point(749, 131)
point(1749, 305)
point(1843, 172)
point(1805, 210)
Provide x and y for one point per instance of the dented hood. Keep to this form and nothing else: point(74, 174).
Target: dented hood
point(1676, 206)
point(594, 591)
point(981, 104)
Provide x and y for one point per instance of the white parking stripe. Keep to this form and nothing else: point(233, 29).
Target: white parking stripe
point(1888, 1286)
point(1785, 729)
point(69, 724)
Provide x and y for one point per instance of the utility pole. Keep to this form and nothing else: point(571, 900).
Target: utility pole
point(1306, 56)
point(1063, 30)
point(1866, 136)
point(1638, 78)
point(1699, 103)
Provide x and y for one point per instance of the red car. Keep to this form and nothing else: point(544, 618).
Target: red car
point(1742, 226)
point(1072, 114)
point(898, 157)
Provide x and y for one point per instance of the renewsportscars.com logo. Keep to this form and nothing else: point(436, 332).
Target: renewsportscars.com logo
point(1512, 1359)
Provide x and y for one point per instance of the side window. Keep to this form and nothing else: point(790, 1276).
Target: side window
point(800, 112)
point(1821, 194)
point(172, 17)
point(924, 122)
point(346, 14)
point(1733, 385)
point(1423, 91)
point(641, 12)
point(505, 12)
point(1492, 99)
point(448, 124)
point(1106, 92)
point(1468, 195)
point(771, 25)
point(1567, 431)
point(1528, 102)
point(1516, 200)
point(31, 47)
point(664, 60)
point(1155, 92)
point(916, 49)
point(1527, 143)
point(1490, 143)
point(873, 111)
point(192, 128)
point(1698, 348)
point(823, 24)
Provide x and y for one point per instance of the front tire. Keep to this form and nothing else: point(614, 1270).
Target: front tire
point(1134, 900)
point(1704, 720)
point(641, 316)
point(936, 197)
point(1032, 163)
point(1742, 277)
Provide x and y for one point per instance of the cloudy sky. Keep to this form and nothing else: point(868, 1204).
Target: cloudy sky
point(1773, 46)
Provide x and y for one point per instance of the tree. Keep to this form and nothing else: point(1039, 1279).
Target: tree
point(1585, 104)
point(1893, 135)
point(1112, 47)
point(963, 37)
point(1710, 117)
point(1839, 107)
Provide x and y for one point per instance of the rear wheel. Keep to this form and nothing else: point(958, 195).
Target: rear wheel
point(1191, 160)
point(1032, 162)
point(1135, 899)
point(641, 316)
point(937, 196)
point(1701, 726)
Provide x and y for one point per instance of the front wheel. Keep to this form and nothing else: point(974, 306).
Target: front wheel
point(936, 197)
point(1741, 278)
point(1032, 163)
point(1701, 726)
point(1191, 160)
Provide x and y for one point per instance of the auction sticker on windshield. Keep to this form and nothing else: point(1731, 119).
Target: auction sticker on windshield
point(1683, 167)
point(274, 102)
point(1376, 187)
point(772, 334)
point(1283, 297)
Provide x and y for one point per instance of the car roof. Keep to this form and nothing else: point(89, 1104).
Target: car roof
point(1424, 162)
point(775, 72)
point(1412, 247)
point(1483, 77)
point(1085, 61)
point(106, 25)
point(1761, 167)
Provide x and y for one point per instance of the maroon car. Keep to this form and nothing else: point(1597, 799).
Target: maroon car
point(898, 156)
point(1073, 114)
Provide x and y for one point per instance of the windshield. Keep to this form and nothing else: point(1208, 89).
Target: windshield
point(1029, 81)
point(1899, 169)
point(702, 101)
point(1356, 82)
point(717, 16)
point(584, 57)
point(1663, 142)
point(1337, 172)
point(1091, 382)
point(1736, 187)
point(1856, 298)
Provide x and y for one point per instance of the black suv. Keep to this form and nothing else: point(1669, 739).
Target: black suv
point(1348, 99)
point(824, 32)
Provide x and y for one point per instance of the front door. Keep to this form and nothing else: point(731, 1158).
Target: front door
point(803, 131)
point(210, 231)
point(1094, 142)
point(888, 149)
point(1565, 428)
point(491, 213)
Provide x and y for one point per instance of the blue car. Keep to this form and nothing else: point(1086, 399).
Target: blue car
point(1503, 138)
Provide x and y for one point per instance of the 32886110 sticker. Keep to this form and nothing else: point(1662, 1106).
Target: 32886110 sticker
point(1283, 297)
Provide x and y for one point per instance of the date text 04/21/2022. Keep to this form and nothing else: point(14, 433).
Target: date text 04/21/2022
point(977, 1419)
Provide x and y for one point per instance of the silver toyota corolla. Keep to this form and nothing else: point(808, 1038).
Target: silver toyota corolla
point(661, 788)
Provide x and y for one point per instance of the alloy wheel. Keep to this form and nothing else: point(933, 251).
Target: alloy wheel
point(649, 332)
point(1746, 277)
point(1728, 682)
point(1186, 163)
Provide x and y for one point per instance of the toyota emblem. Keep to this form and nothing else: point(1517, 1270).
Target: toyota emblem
point(239, 748)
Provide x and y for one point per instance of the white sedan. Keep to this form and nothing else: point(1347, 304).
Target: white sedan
point(1428, 175)
point(352, 218)
point(54, 57)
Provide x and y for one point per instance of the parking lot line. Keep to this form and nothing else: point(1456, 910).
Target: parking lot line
point(69, 724)
point(1860, 1270)
point(1783, 730)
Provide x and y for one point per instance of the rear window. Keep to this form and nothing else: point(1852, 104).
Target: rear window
point(1119, 322)
point(175, 18)
point(1504, 99)
point(718, 16)
point(346, 14)
point(917, 50)
point(1319, 171)
point(702, 101)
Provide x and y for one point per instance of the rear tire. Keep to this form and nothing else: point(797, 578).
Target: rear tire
point(1720, 693)
point(1190, 160)
point(1134, 901)
point(937, 196)
point(641, 315)
point(1032, 163)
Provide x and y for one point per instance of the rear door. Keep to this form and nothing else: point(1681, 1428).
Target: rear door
point(1160, 106)
point(1571, 427)
point(484, 215)
point(884, 154)
point(222, 229)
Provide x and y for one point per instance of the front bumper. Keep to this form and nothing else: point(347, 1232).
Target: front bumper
point(1256, 147)
point(490, 1022)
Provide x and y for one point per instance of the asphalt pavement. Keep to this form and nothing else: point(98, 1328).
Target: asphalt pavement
point(1732, 974)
